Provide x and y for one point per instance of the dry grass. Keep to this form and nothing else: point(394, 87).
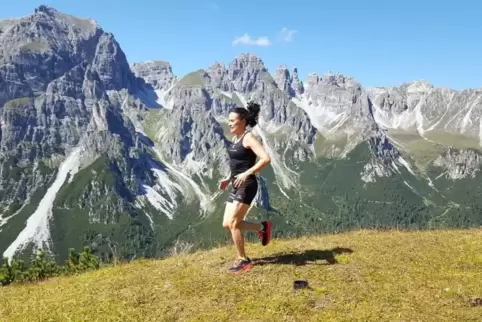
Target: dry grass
point(359, 276)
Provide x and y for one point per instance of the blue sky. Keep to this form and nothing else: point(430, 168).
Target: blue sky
point(380, 43)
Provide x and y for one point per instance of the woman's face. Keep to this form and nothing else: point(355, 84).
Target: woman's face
point(236, 125)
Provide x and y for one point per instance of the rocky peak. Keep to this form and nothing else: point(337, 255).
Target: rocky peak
point(111, 64)
point(218, 76)
point(296, 83)
point(419, 87)
point(46, 9)
point(391, 99)
point(283, 80)
point(244, 72)
point(312, 80)
point(60, 42)
point(290, 84)
point(157, 73)
point(218, 68)
point(337, 104)
point(247, 61)
point(44, 30)
point(339, 80)
point(45, 13)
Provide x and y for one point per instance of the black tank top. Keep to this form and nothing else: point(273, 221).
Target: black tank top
point(241, 158)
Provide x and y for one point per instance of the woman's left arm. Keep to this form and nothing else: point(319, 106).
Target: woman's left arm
point(251, 142)
point(264, 159)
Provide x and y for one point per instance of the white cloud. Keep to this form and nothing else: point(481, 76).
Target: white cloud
point(247, 40)
point(286, 34)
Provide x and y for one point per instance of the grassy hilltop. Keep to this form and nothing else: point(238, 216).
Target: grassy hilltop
point(358, 276)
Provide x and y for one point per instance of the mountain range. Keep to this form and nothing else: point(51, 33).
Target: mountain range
point(126, 158)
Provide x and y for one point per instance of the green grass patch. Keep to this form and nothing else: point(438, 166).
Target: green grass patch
point(361, 275)
point(193, 79)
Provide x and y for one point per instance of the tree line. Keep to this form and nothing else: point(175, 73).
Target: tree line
point(42, 267)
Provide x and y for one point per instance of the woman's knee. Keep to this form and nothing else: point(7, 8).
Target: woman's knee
point(236, 223)
point(233, 217)
point(232, 223)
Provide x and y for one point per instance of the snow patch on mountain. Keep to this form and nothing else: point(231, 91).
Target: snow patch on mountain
point(161, 196)
point(325, 119)
point(192, 186)
point(37, 229)
point(406, 165)
point(161, 97)
point(158, 201)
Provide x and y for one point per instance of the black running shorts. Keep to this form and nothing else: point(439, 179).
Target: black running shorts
point(244, 194)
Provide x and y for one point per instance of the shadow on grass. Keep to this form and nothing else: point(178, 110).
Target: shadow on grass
point(304, 257)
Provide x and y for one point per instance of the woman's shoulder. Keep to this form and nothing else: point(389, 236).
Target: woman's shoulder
point(250, 137)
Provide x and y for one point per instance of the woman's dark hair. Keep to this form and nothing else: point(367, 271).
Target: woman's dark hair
point(250, 114)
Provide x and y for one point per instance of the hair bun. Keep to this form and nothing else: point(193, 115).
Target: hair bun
point(253, 109)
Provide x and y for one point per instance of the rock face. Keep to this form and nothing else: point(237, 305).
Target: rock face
point(156, 73)
point(56, 71)
point(460, 163)
point(126, 159)
point(420, 107)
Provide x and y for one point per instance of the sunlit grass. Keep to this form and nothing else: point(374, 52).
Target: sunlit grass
point(359, 276)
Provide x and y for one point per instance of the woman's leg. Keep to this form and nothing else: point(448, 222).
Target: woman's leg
point(237, 206)
point(237, 209)
point(234, 214)
point(234, 219)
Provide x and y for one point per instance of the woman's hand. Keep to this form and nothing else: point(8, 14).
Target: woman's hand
point(240, 179)
point(223, 184)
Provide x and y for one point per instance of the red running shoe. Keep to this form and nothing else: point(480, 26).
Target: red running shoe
point(265, 233)
point(241, 265)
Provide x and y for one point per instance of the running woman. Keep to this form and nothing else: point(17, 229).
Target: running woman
point(243, 152)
